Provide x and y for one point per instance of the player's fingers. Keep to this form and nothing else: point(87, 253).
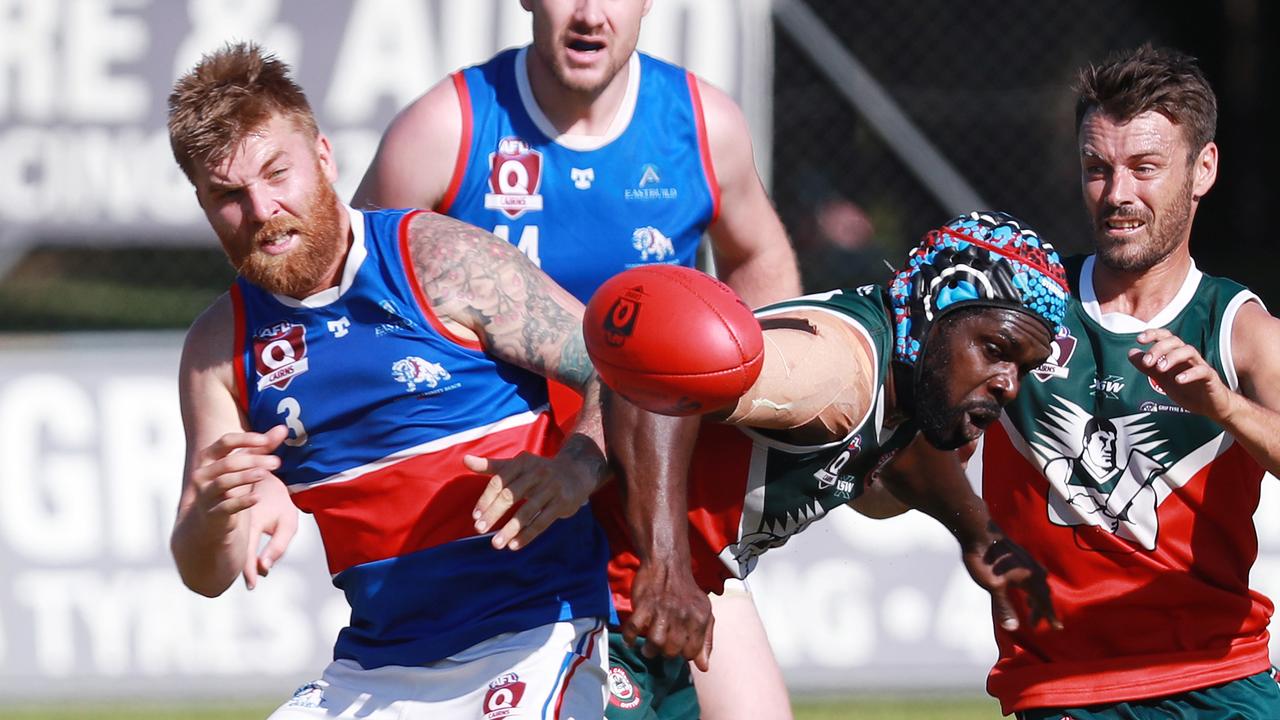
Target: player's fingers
point(536, 525)
point(1004, 612)
point(1195, 374)
point(226, 485)
point(1153, 335)
point(1185, 355)
point(250, 570)
point(275, 548)
point(703, 660)
point(233, 504)
point(634, 628)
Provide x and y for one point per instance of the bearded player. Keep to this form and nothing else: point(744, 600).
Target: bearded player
point(862, 397)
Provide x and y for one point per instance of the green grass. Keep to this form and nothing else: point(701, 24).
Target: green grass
point(933, 708)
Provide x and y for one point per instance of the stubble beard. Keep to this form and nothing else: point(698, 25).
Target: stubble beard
point(301, 271)
point(1163, 236)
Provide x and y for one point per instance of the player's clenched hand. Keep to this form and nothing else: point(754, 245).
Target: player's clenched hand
point(275, 516)
point(226, 470)
point(1182, 373)
point(671, 612)
point(541, 489)
point(998, 564)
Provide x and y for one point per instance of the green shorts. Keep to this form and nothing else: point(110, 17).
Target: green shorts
point(1253, 698)
point(642, 688)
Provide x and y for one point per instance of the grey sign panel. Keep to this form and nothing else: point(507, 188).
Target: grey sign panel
point(84, 154)
point(91, 452)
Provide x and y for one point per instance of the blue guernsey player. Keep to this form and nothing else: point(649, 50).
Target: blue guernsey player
point(592, 158)
point(378, 364)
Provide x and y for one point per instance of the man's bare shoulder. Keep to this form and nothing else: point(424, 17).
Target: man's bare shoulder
point(210, 340)
point(417, 156)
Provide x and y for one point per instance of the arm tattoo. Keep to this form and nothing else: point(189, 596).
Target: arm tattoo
point(487, 285)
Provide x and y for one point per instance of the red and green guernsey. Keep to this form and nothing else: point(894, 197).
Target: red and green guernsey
point(1140, 511)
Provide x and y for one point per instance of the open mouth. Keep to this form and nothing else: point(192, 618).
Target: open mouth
point(280, 243)
point(585, 46)
point(1122, 225)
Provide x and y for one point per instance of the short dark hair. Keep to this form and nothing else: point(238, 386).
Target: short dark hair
point(230, 93)
point(1163, 80)
point(1096, 425)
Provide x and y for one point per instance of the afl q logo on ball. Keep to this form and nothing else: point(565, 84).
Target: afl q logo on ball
point(620, 321)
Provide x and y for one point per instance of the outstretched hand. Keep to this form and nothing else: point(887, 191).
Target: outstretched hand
point(1182, 373)
point(541, 489)
point(671, 612)
point(998, 564)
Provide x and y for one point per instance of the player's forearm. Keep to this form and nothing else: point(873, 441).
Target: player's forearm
point(1256, 428)
point(765, 277)
point(651, 454)
point(208, 558)
point(585, 444)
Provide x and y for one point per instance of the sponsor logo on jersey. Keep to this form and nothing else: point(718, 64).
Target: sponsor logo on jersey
point(832, 475)
point(620, 321)
point(515, 175)
point(340, 327)
point(393, 321)
point(1103, 472)
point(310, 695)
point(1107, 386)
point(279, 354)
point(503, 697)
point(582, 178)
point(652, 244)
point(650, 186)
point(1060, 352)
point(1150, 406)
point(414, 371)
point(622, 692)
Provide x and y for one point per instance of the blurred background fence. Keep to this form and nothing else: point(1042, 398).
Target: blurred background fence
point(873, 120)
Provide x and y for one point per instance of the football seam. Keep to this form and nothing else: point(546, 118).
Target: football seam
point(742, 355)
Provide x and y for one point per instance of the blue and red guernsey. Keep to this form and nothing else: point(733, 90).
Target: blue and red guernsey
point(382, 402)
point(585, 208)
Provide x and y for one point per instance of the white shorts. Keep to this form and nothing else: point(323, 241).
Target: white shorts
point(552, 672)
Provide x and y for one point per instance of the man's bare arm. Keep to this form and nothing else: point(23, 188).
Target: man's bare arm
point(484, 288)
point(753, 255)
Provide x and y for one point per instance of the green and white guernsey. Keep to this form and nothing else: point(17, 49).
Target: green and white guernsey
point(750, 491)
point(1140, 512)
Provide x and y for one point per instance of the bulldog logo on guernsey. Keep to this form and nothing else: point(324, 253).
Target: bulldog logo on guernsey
point(414, 371)
point(515, 174)
point(503, 697)
point(279, 354)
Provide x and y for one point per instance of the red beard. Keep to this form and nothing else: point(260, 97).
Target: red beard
point(302, 271)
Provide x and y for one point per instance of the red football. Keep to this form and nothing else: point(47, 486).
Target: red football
point(673, 340)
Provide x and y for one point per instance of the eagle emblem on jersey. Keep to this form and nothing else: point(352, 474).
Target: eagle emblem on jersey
point(515, 175)
point(1102, 472)
point(652, 244)
point(279, 354)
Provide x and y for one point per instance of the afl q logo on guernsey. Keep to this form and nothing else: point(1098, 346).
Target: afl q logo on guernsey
point(503, 697)
point(279, 354)
point(515, 174)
